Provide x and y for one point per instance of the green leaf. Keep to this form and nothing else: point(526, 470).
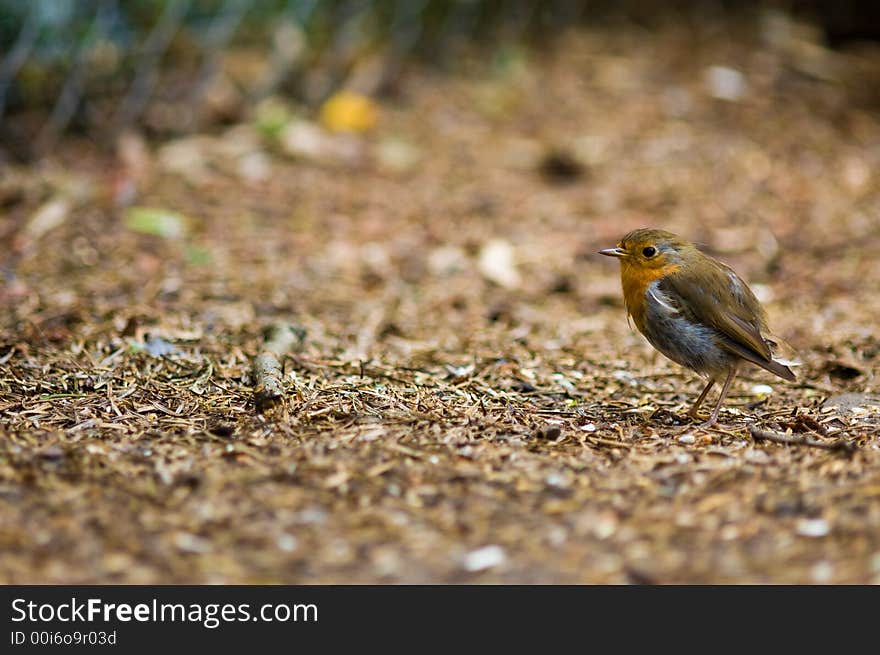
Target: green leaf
point(198, 256)
point(160, 222)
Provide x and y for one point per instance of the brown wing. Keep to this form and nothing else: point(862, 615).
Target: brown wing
point(720, 299)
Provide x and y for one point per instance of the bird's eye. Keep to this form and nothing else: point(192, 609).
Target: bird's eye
point(649, 252)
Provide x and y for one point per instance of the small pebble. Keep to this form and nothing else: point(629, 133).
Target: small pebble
point(312, 515)
point(287, 543)
point(822, 572)
point(606, 526)
point(813, 527)
point(556, 536)
point(757, 456)
point(497, 263)
point(556, 480)
point(158, 347)
point(761, 390)
point(729, 532)
point(190, 543)
point(726, 83)
point(484, 558)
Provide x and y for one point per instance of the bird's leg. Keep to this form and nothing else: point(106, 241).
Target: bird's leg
point(724, 391)
point(693, 412)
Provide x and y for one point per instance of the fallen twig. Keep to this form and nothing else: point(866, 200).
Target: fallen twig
point(800, 440)
point(600, 441)
point(279, 340)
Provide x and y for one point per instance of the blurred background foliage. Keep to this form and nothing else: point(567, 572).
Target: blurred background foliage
point(172, 66)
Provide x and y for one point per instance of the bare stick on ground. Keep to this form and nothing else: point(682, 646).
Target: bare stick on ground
point(279, 339)
point(800, 440)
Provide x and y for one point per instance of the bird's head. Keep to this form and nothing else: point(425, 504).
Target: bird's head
point(649, 250)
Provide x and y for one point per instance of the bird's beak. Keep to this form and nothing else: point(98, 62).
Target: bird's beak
point(613, 252)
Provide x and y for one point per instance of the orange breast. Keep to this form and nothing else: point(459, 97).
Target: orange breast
point(635, 280)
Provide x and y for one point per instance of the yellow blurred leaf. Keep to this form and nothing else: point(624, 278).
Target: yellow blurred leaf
point(349, 112)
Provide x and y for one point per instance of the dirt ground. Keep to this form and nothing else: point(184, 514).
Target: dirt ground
point(469, 404)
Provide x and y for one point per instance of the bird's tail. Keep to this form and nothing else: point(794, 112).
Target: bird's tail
point(783, 357)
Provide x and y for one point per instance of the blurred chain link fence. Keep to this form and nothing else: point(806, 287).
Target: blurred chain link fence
point(170, 66)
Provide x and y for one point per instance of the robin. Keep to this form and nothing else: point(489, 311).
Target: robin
point(693, 309)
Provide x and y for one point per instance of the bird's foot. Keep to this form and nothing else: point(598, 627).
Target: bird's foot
point(712, 421)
